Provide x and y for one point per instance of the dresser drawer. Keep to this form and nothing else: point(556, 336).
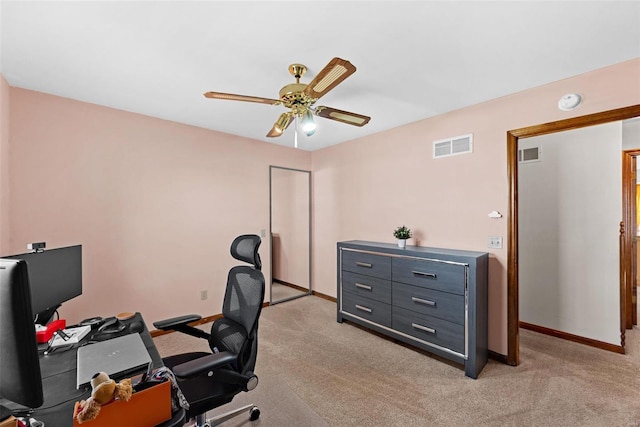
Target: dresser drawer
point(438, 304)
point(368, 264)
point(367, 286)
point(437, 331)
point(429, 274)
point(367, 308)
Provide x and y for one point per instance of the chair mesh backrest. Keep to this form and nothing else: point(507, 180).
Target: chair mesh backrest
point(243, 299)
point(244, 296)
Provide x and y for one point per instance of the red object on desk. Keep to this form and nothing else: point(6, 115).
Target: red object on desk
point(45, 335)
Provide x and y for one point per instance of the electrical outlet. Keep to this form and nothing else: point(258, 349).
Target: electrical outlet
point(263, 232)
point(203, 295)
point(495, 242)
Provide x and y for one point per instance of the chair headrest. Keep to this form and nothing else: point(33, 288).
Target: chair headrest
point(245, 248)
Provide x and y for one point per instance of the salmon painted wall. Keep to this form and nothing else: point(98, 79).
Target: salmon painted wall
point(154, 203)
point(4, 164)
point(365, 188)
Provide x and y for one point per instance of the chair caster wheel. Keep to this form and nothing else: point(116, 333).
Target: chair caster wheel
point(254, 413)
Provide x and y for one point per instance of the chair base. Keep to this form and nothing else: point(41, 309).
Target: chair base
point(202, 421)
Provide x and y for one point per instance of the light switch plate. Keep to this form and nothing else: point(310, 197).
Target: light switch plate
point(495, 242)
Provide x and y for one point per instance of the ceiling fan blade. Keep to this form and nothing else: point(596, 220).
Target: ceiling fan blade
point(342, 116)
point(233, 97)
point(280, 125)
point(334, 73)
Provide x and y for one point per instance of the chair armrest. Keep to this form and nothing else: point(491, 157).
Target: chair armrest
point(203, 364)
point(248, 381)
point(174, 322)
point(181, 324)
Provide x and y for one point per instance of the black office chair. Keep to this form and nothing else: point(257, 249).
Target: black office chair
point(209, 380)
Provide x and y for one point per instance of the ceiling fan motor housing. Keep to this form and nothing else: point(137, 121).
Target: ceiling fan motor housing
point(293, 96)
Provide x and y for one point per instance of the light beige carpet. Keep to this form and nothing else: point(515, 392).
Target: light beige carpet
point(314, 372)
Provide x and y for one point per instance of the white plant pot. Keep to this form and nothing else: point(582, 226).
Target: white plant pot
point(402, 243)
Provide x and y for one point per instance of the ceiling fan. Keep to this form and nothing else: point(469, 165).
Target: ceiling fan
point(300, 98)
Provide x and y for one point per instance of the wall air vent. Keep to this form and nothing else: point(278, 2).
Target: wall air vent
point(453, 146)
point(528, 155)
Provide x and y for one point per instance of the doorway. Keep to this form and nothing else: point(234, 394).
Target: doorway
point(570, 206)
point(631, 205)
point(290, 233)
point(513, 317)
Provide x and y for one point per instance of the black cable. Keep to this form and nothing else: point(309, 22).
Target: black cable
point(76, 397)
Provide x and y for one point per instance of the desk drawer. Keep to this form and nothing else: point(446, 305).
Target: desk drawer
point(368, 264)
point(367, 286)
point(430, 274)
point(367, 308)
point(438, 304)
point(428, 328)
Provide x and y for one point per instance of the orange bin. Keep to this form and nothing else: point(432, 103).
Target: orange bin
point(146, 408)
point(9, 422)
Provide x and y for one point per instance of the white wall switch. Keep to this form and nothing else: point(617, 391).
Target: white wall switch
point(495, 242)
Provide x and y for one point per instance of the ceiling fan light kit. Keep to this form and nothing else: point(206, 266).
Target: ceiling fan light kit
point(300, 98)
point(308, 124)
point(281, 124)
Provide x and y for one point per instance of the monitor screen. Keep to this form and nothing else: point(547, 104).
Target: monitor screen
point(20, 381)
point(55, 276)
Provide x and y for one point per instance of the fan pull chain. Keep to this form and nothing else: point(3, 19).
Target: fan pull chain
point(295, 135)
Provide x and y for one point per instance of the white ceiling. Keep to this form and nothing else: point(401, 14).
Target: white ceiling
point(415, 59)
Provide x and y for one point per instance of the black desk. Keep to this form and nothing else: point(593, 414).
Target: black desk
point(58, 371)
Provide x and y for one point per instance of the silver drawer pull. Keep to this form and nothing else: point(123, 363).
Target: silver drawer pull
point(363, 286)
point(363, 308)
point(363, 264)
point(423, 301)
point(422, 273)
point(423, 328)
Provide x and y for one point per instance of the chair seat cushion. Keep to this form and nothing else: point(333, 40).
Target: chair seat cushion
point(202, 392)
point(171, 361)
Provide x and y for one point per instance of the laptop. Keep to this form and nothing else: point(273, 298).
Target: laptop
point(116, 357)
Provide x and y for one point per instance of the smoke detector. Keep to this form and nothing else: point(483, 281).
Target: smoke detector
point(569, 101)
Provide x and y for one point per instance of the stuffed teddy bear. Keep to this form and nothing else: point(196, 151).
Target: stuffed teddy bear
point(104, 390)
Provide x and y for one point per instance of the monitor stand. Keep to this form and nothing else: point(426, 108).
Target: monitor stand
point(45, 316)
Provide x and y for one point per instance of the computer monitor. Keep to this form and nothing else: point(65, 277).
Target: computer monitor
point(55, 276)
point(20, 381)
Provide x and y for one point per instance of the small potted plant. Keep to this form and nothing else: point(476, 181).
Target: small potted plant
point(402, 234)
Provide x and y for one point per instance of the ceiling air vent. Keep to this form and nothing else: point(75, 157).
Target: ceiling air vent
point(528, 155)
point(453, 146)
